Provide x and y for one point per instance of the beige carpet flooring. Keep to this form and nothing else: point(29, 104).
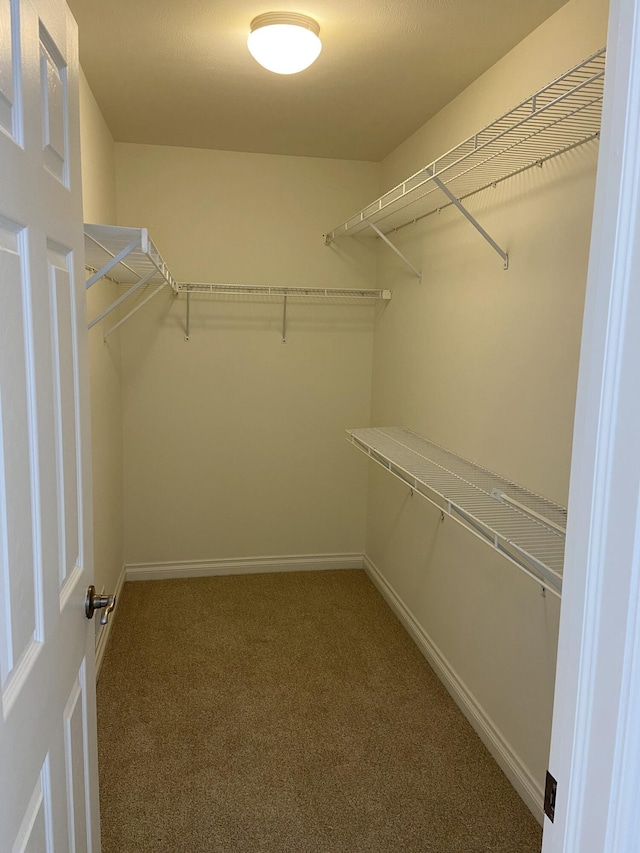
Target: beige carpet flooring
point(283, 713)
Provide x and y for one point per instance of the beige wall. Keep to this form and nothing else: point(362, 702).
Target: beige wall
point(485, 362)
point(99, 201)
point(234, 442)
point(98, 160)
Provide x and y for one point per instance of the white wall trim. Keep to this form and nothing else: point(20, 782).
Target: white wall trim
point(511, 765)
point(243, 566)
point(103, 635)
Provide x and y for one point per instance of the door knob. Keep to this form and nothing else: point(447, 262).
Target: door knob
point(94, 602)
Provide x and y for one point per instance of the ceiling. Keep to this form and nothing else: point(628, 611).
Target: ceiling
point(178, 72)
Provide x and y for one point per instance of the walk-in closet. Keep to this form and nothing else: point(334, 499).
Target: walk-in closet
point(316, 307)
point(333, 368)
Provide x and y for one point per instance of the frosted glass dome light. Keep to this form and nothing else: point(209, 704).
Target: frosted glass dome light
point(284, 42)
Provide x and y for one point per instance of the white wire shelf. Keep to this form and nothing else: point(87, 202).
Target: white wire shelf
point(269, 290)
point(559, 117)
point(527, 529)
point(128, 257)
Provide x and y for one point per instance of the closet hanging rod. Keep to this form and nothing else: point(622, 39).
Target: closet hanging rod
point(268, 290)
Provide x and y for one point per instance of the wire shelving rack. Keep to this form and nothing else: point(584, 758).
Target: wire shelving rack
point(527, 529)
point(128, 257)
point(562, 115)
point(272, 290)
point(283, 292)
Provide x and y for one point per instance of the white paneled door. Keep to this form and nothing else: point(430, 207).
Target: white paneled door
point(48, 767)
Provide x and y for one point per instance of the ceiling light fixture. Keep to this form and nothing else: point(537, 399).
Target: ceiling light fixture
point(284, 42)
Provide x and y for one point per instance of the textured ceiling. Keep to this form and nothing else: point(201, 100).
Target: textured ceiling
point(177, 72)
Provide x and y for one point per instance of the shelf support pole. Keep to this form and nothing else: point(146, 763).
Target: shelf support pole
point(384, 237)
point(134, 310)
point(187, 330)
point(122, 298)
point(284, 320)
point(115, 260)
point(463, 210)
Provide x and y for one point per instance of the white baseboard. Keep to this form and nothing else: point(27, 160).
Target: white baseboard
point(519, 776)
point(103, 635)
point(243, 566)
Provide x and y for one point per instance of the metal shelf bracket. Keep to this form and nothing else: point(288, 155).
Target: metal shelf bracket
point(463, 210)
point(133, 289)
point(133, 311)
point(284, 319)
point(392, 246)
point(187, 328)
point(111, 263)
